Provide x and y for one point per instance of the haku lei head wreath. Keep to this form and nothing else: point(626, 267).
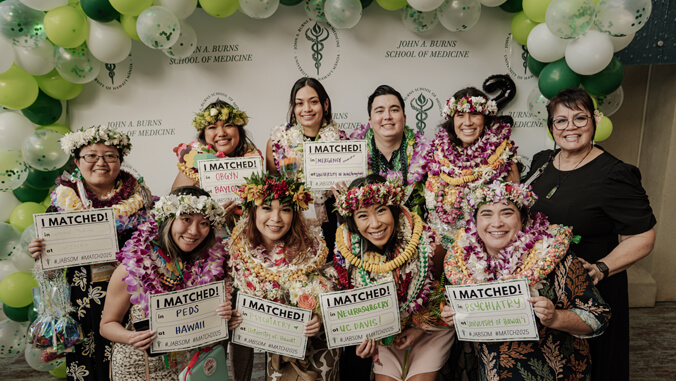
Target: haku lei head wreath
point(260, 189)
point(96, 134)
point(498, 192)
point(175, 205)
point(226, 113)
point(470, 104)
point(388, 193)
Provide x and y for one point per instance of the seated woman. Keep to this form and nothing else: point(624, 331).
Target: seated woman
point(173, 250)
point(275, 255)
point(382, 241)
point(502, 241)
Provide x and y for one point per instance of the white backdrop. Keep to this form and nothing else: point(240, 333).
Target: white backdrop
point(253, 64)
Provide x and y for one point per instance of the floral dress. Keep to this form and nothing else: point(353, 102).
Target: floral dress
point(90, 359)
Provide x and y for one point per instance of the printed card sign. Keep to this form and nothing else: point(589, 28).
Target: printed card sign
point(187, 319)
point(222, 177)
point(352, 316)
point(327, 163)
point(76, 238)
point(270, 326)
point(496, 311)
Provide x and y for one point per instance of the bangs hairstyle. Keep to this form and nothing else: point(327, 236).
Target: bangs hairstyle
point(385, 90)
point(321, 93)
point(574, 99)
point(296, 240)
point(245, 143)
point(394, 209)
point(449, 125)
point(166, 242)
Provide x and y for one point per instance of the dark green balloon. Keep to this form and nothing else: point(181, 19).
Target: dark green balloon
point(32, 314)
point(290, 2)
point(512, 6)
point(535, 66)
point(606, 81)
point(17, 314)
point(99, 10)
point(555, 77)
point(26, 193)
point(365, 3)
point(42, 179)
point(45, 110)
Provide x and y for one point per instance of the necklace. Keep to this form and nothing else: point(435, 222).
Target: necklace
point(556, 187)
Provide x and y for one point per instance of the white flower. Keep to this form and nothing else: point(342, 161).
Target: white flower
point(213, 112)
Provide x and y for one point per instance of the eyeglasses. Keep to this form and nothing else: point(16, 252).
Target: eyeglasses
point(108, 158)
point(578, 121)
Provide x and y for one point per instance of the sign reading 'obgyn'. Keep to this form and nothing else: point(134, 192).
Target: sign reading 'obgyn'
point(223, 177)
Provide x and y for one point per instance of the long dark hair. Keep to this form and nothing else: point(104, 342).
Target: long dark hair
point(574, 99)
point(449, 125)
point(245, 144)
point(321, 93)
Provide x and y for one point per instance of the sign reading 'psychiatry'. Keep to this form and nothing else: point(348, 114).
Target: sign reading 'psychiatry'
point(222, 177)
point(327, 163)
point(76, 238)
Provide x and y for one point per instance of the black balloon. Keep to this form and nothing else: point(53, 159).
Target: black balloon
point(506, 87)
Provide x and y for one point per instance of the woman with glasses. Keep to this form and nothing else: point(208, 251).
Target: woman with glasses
point(97, 182)
point(583, 186)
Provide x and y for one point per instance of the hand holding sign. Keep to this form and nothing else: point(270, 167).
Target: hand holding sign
point(312, 327)
point(447, 314)
point(141, 340)
point(544, 309)
point(224, 310)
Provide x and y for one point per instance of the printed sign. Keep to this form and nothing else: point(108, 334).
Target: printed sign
point(352, 316)
point(327, 163)
point(187, 318)
point(270, 326)
point(222, 177)
point(76, 238)
point(496, 311)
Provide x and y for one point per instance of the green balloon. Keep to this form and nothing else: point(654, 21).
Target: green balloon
point(32, 313)
point(66, 26)
point(129, 26)
point(131, 7)
point(41, 179)
point(56, 87)
point(391, 5)
point(365, 3)
point(521, 27)
point(16, 290)
point(26, 193)
point(18, 89)
point(603, 129)
point(22, 215)
point(99, 10)
point(58, 127)
point(59, 372)
point(535, 66)
point(606, 81)
point(17, 314)
point(45, 110)
point(47, 202)
point(536, 9)
point(220, 8)
point(290, 2)
point(555, 77)
point(512, 6)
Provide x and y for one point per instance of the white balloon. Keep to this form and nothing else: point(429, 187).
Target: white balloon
point(544, 46)
point(622, 17)
point(157, 27)
point(258, 9)
point(418, 22)
point(7, 56)
point(27, 236)
point(570, 18)
point(620, 43)
point(14, 129)
point(459, 15)
point(6, 268)
point(77, 65)
point(492, 3)
point(34, 359)
point(22, 262)
point(343, 14)
point(181, 8)
point(44, 5)
point(425, 5)
point(36, 61)
point(590, 53)
point(12, 338)
point(609, 104)
point(186, 43)
point(108, 42)
point(8, 202)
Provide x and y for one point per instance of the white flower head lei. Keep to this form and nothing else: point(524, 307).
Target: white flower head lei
point(96, 134)
point(470, 104)
point(226, 113)
point(175, 205)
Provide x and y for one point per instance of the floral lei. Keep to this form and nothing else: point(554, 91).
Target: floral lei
point(533, 255)
point(454, 168)
point(96, 134)
point(414, 274)
point(145, 267)
point(188, 155)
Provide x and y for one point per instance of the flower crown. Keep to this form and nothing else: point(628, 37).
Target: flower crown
point(470, 104)
point(387, 193)
point(96, 134)
point(226, 113)
point(175, 205)
point(266, 188)
point(498, 191)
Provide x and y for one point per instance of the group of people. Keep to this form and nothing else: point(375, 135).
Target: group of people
point(451, 211)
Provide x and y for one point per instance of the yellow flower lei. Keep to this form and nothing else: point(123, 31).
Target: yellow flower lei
point(493, 162)
point(69, 200)
point(372, 259)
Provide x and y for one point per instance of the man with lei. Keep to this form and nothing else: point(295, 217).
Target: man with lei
point(502, 241)
point(276, 255)
point(471, 148)
point(383, 241)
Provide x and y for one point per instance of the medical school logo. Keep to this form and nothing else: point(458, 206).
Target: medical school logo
point(516, 59)
point(425, 108)
point(316, 49)
point(115, 76)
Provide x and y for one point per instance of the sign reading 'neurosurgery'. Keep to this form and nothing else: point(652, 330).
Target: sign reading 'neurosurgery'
point(222, 177)
point(327, 163)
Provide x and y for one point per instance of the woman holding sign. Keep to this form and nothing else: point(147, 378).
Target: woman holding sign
point(173, 250)
point(276, 255)
point(380, 242)
point(97, 182)
point(502, 242)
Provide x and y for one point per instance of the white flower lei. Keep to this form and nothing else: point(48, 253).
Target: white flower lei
point(175, 205)
point(96, 134)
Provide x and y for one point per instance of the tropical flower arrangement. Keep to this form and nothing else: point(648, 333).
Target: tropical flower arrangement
point(470, 104)
point(226, 113)
point(174, 205)
point(260, 189)
point(96, 134)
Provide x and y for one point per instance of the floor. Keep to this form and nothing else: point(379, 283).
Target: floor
point(653, 349)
